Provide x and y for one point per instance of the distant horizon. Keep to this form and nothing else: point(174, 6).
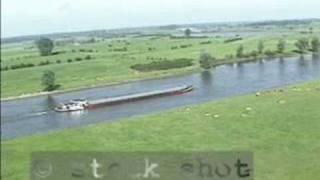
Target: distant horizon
point(32, 17)
point(155, 25)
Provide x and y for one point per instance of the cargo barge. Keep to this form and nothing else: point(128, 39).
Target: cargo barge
point(81, 104)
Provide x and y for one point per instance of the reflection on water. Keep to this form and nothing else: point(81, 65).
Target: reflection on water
point(282, 67)
point(240, 70)
point(207, 79)
point(77, 113)
point(51, 102)
point(302, 61)
point(36, 115)
point(281, 60)
point(302, 65)
point(315, 56)
point(315, 62)
point(261, 65)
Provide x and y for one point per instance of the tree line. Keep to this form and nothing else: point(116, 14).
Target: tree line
point(303, 45)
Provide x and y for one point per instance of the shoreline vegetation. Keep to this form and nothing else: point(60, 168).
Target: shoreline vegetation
point(230, 124)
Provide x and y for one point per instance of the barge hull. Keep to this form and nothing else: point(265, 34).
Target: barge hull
point(139, 96)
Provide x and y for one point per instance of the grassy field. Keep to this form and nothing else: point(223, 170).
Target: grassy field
point(281, 127)
point(109, 65)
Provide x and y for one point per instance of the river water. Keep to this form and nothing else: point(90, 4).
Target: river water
point(35, 115)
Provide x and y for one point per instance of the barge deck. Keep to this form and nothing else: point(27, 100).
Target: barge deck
point(140, 96)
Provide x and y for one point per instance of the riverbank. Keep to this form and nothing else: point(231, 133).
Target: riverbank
point(166, 74)
point(279, 126)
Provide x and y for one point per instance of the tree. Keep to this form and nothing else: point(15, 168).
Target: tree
point(254, 54)
point(48, 80)
point(260, 47)
point(315, 44)
point(310, 30)
point(281, 46)
point(187, 32)
point(240, 51)
point(45, 46)
point(302, 45)
point(204, 61)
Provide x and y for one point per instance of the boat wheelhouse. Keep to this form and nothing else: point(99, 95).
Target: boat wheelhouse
point(73, 105)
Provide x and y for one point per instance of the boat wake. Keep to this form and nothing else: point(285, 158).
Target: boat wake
point(22, 118)
point(39, 113)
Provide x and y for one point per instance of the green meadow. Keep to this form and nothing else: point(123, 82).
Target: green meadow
point(280, 126)
point(110, 59)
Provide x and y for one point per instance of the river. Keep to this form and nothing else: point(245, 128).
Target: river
point(24, 117)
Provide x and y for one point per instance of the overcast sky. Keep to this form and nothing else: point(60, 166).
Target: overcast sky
point(24, 17)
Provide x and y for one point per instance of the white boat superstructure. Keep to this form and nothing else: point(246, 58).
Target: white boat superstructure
point(82, 102)
point(73, 105)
